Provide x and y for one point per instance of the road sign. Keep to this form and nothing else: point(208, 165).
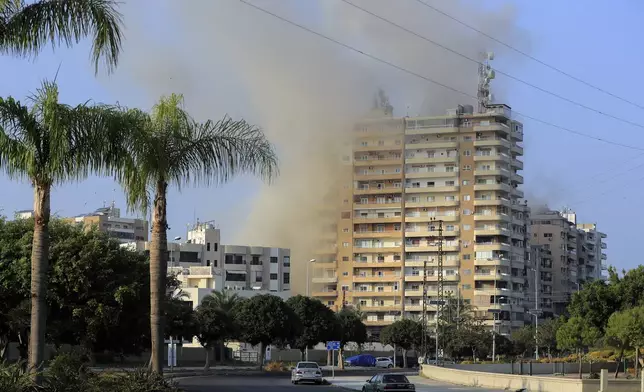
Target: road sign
point(332, 345)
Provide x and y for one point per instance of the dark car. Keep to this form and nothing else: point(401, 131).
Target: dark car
point(388, 382)
point(361, 360)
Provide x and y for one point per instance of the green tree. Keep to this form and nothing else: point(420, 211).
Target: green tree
point(51, 143)
point(523, 341)
point(577, 334)
point(547, 334)
point(595, 303)
point(264, 320)
point(406, 334)
point(350, 329)
point(318, 322)
point(213, 324)
point(25, 28)
point(226, 301)
point(174, 149)
point(624, 331)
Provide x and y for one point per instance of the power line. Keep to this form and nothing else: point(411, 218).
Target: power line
point(581, 105)
point(346, 46)
point(532, 57)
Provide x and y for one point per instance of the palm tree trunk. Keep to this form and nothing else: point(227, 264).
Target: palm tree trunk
point(222, 352)
point(404, 358)
point(39, 266)
point(158, 270)
point(207, 365)
point(619, 361)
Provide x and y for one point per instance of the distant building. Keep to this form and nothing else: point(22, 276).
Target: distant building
point(571, 255)
point(109, 220)
point(24, 214)
point(203, 265)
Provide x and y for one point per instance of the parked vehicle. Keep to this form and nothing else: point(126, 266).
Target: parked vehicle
point(389, 382)
point(306, 371)
point(384, 362)
point(361, 360)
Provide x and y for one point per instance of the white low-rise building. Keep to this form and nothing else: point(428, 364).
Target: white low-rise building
point(203, 265)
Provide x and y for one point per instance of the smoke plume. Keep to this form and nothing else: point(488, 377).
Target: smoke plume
point(305, 91)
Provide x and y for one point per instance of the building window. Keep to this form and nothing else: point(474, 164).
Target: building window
point(345, 274)
point(345, 244)
point(466, 182)
point(346, 215)
point(467, 212)
point(467, 227)
point(467, 286)
point(207, 263)
point(330, 303)
point(287, 261)
point(466, 257)
point(255, 261)
point(216, 246)
point(273, 260)
point(215, 263)
point(345, 230)
point(467, 271)
point(466, 198)
point(345, 258)
point(273, 276)
point(208, 247)
point(287, 278)
point(467, 167)
point(467, 153)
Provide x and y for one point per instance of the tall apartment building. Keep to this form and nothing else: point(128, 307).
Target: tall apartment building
point(576, 255)
point(202, 264)
point(407, 175)
point(109, 220)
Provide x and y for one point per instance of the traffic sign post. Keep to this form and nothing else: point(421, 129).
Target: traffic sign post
point(333, 346)
point(172, 352)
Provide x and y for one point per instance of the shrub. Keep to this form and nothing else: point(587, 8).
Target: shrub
point(67, 373)
point(467, 362)
point(140, 380)
point(276, 366)
point(14, 378)
point(593, 376)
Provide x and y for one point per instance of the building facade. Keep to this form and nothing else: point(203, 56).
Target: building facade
point(410, 177)
point(109, 220)
point(202, 264)
point(576, 255)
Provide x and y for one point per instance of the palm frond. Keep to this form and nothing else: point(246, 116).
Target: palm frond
point(17, 126)
point(214, 152)
point(26, 28)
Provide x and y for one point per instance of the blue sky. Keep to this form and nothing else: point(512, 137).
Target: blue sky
point(595, 41)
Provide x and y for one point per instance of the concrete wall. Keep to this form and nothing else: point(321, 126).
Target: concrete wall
point(531, 383)
point(537, 368)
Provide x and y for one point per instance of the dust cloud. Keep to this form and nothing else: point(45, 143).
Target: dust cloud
point(305, 91)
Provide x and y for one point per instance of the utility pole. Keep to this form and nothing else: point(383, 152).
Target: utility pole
point(536, 313)
point(441, 296)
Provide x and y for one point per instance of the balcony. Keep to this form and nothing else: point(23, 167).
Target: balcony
point(492, 291)
point(492, 172)
point(492, 217)
point(517, 192)
point(517, 178)
point(377, 177)
point(431, 145)
point(516, 163)
point(375, 294)
point(375, 190)
point(379, 308)
point(386, 147)
point(194, 272)
point(431, 263)
point(377, 278)
point(431, 278)
point(377, 264)
point(329, 293)
point(603, 245)
point(430, 127)
point(377, 249)
point(491, 275)
point(431, 174)
point(378, 161)
point(325, 279)
point(424, 247)
point(493, 187)
point(378, 234)
point(492, 246)
point(360, 219)
point(375, 204)
point(428, 160)
point(491, 127)
point(375, 323)
point(425, 204)
point(480, 157)
point(517, 149)
point(499, 201)
point(417, 217)
point(492, 230)
point(425, 232)
point(489, 141)
point(431, 189)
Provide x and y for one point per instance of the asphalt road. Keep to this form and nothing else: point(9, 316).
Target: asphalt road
point(283, 384)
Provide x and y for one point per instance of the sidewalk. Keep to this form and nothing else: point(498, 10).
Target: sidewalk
point(422, 384)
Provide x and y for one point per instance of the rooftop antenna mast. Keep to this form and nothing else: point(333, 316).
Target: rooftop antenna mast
point(486, 74)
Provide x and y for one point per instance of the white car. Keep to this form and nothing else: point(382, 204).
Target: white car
point(306, 371)
point(384, 362)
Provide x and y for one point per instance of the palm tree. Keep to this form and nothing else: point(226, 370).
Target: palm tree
point(225, 301)
point(49, 144)
point(26, 28)
point(174, 149)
